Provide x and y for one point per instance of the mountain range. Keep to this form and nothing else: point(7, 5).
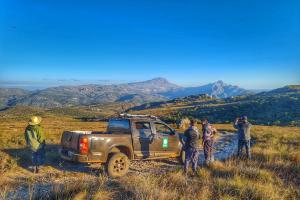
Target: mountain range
point(157, 89)
point(217, 89)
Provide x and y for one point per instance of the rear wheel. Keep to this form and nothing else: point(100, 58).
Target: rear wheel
point(118, 165)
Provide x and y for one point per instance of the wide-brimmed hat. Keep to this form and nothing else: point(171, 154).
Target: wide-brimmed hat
point(35, 120)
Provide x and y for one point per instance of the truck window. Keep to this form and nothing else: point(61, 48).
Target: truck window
point(144, 129)
point(119, 125)
point(163, 129)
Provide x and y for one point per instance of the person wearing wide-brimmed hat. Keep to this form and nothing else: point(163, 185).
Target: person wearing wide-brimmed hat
point(35, 139)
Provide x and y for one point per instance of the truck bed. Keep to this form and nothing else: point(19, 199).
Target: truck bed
point(99, 144)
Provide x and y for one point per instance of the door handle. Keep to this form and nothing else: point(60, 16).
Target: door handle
point(159, 137)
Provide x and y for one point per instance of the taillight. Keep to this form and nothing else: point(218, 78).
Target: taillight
point(84, 145)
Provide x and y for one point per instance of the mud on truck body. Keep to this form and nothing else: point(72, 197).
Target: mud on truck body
point(129, 137)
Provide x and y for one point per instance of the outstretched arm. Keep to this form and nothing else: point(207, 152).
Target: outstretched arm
point(235, 124)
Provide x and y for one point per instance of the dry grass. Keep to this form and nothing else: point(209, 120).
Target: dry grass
point(273, 173)
point(12, 131)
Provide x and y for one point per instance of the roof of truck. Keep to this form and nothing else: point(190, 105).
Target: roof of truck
point(138, 117)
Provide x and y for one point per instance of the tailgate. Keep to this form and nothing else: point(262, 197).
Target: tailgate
point(70, 139)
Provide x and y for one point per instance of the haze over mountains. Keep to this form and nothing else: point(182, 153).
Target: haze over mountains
point(156, 89)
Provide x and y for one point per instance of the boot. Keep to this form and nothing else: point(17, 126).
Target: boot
point(207, 163)
point(185, 172)
point(36, 170)
point(195, 173)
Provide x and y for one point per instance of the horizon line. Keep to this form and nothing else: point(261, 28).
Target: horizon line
point(51, 83)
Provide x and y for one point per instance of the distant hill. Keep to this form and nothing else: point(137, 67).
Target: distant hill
point(217, 89)
point(276, 107)
point(177, 102)
point(9, 95)
point(158, 89)
point(66, 96)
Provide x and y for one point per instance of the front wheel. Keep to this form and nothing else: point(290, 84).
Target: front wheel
point(118, 165)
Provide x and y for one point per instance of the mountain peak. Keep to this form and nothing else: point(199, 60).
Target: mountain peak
point(159, 79)
point(220, 83)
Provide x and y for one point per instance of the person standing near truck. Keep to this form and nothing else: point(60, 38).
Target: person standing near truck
point(191, 147)
point(208, 140)
point(35, 139)
point(243, 127)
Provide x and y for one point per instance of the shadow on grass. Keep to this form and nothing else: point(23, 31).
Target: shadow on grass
point(23, 159)
point(169, 161)
point(224, 173)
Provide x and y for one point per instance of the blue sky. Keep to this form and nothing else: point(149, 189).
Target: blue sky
point(253, 44)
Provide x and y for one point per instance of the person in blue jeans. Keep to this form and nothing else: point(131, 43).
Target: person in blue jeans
point(191, 147)
point(243, 127)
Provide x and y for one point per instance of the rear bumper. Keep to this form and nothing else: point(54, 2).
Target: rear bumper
point(70, 156)
point(75, 157)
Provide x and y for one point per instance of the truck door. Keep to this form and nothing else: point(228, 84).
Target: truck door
point(169, 143)
point(142, 139)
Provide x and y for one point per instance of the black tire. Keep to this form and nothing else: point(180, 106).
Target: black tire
point(182, 157)
point(118, 165)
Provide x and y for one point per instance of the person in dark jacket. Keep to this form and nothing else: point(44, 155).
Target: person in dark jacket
point(208, 140)
point(35, 139)
point(191, 147)
point(243, 127)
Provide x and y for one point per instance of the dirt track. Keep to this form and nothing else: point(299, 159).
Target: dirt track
point(224, 147)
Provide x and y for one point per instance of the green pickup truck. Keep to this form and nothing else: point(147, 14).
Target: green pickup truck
point(128, 137)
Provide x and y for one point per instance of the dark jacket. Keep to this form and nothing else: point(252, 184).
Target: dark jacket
point(243, 130)
point(192, 138)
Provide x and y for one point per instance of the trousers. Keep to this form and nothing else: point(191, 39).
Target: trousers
point(241, 145)
point(38, 157)
point(191, 156)
point(208, 150)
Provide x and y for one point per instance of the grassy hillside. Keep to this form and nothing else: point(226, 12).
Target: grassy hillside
point(277, 107)
point(274, 172)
